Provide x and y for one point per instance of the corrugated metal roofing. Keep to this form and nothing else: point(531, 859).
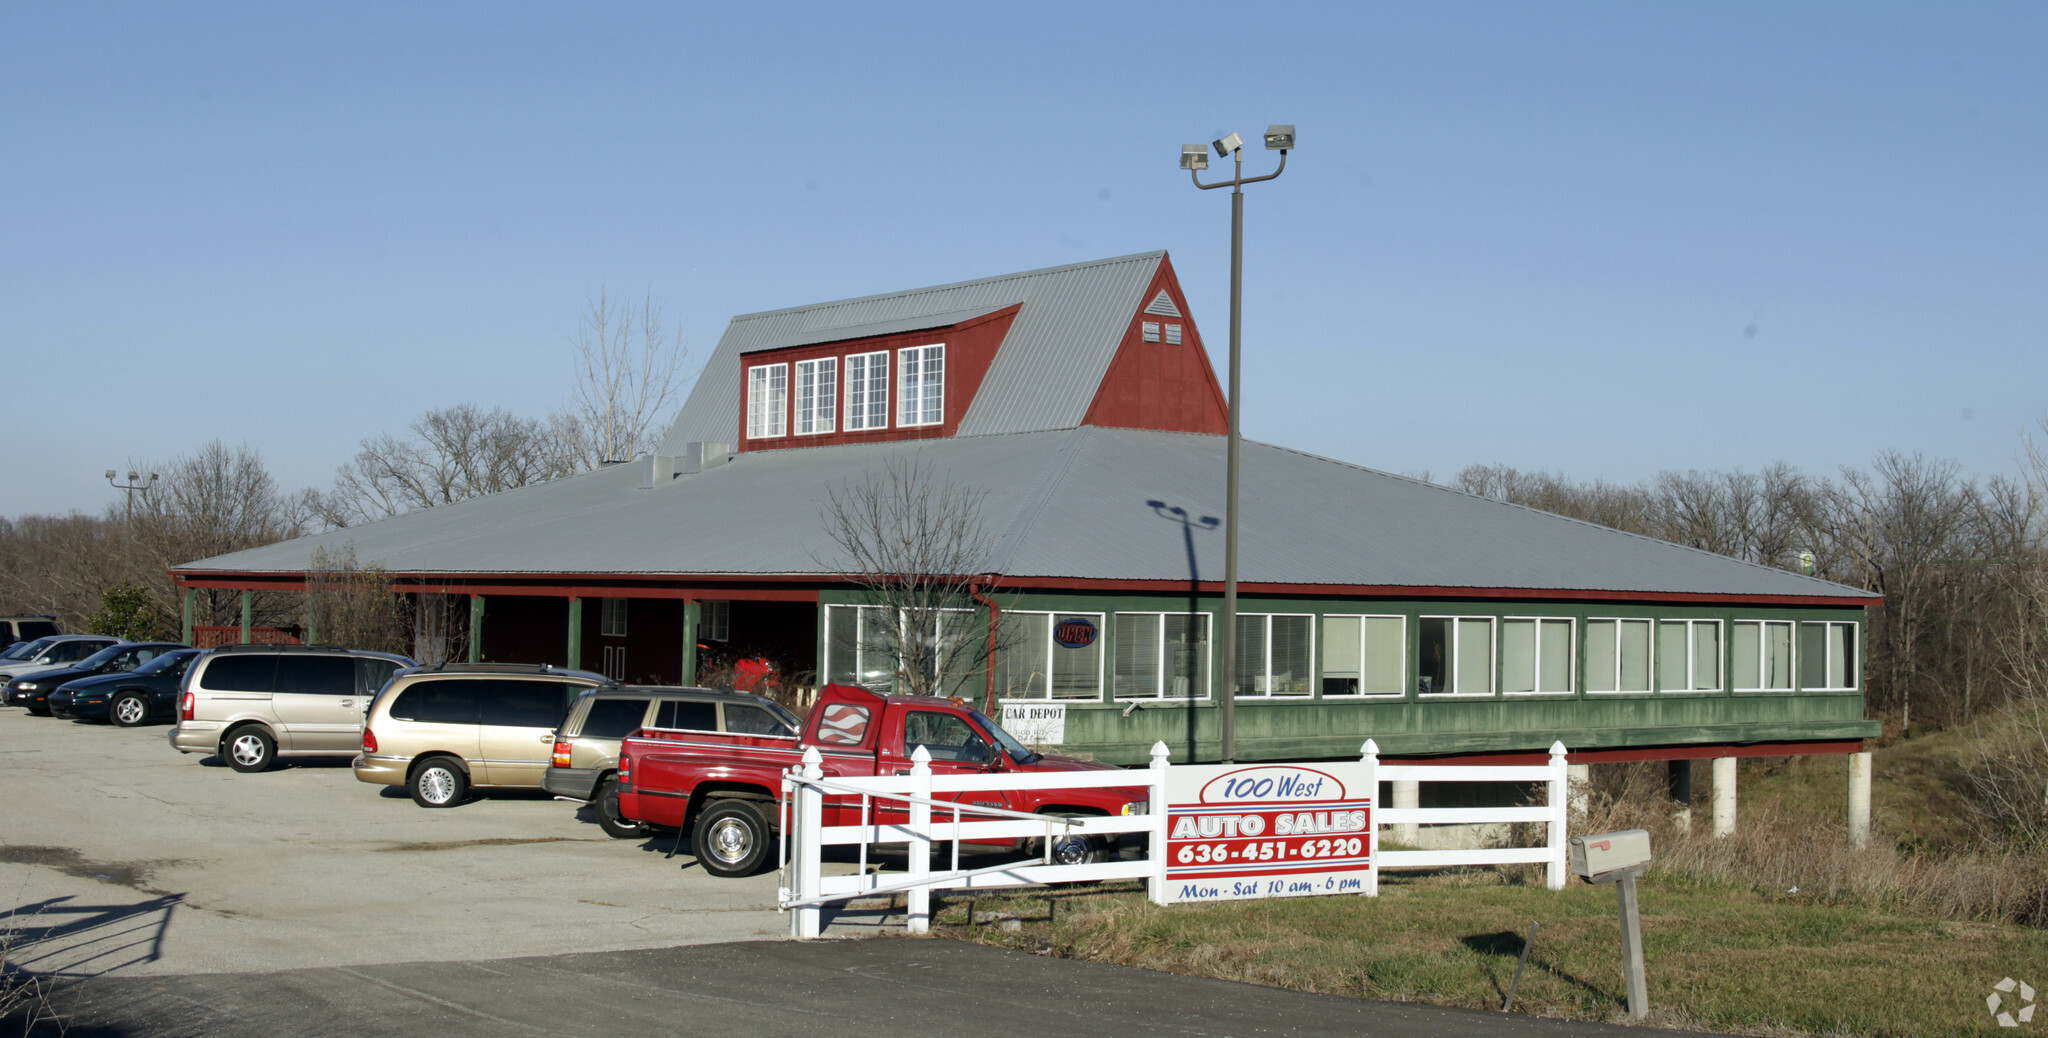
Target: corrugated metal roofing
point(1044, 376)
point(1073, 503)
point(865, 331)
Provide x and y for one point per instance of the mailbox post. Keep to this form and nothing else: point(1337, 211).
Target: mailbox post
point(1618, 858)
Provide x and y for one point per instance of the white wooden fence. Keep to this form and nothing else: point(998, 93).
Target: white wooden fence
point(805, 887)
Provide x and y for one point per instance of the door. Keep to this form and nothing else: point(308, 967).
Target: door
point(956, 748)
point(317, 705)
point(518, 734)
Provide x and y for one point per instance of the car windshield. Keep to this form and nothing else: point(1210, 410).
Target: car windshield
point(1009, 742)
point(168, 663)
point(29, 650)
point(100, 658)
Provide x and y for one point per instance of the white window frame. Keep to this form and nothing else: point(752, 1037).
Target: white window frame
point(909, 398)
point(611, 621)
point(1159, 657)
point(1052, 646)
point(761, 391)
point(874, 389)
point(1492, 672)
point(1827, 663)
point(858, 641)
point(1266, 669)
point(1763, 657)
point(1321, 672)
point(816, 409)
point(1692, 656)
point(1649, 667)
point(714, 620)
point(1572, 648)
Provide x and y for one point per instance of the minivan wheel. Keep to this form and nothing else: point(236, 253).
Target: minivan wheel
point(129, 710)
point(438, 782)
point(250, 749)
point(607, 807)
point(731, 838)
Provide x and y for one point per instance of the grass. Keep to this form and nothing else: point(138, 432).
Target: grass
point(1720, 956)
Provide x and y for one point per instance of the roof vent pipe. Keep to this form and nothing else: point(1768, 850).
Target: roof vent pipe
point(698, 457)
point(660, 469)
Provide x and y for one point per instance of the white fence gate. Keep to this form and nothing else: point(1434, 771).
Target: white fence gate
point(805, 887)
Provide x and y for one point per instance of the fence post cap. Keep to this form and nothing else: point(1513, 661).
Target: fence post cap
point(812, 756)
point(921, 757)
point(1370, 749)
point(1160, 751)
point(1557, 748)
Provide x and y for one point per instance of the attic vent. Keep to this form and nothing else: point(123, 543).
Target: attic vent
point(1162, 305)
point(1173, 335)
point(1151, 331)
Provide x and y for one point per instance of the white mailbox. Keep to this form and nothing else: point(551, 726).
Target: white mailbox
point(1608, 853)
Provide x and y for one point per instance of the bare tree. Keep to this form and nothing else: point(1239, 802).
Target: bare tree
point(454, 453)
point(916, 540)
point(217, 500)
point(629, 371)
point(352, 604)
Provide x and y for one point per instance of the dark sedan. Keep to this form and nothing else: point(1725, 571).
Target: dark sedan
point(147, 693)
point(33, 691)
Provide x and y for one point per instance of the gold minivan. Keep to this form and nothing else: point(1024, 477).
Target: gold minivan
point(441, 733)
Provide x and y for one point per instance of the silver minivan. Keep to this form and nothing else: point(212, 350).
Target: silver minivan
point(253, 704)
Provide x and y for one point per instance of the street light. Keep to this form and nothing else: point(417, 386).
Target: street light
point(131, 487)
point(1280, 138)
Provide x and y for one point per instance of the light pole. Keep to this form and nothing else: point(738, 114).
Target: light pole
point(131, 487)
point(1194, 158)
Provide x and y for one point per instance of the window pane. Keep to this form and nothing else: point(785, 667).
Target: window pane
point(688, 715)
point(1341, 661)
point(614, 718)
point(317, 675)
point(1778, 656)
point(1746, 643)
point(239, 673)
point(878, 662)
point(1706, 657)
point(1475, 656)
point(1291, 656)
point(1813, 655)
point(1600, 645)
point(1435, 665)
point(1673, 674)
point(1518, 656)
point(748, 719)
point(1635, 655)
point(1020, 672)
point(1385, 652)
point(1842, 656)
point(962, 636)
point(1555, 656)
point(439, 702)
point(1251, 655)
point(524, 704)
point(1187, 654)
point(1137, 654)
point(842, 644)
point(1077, 673)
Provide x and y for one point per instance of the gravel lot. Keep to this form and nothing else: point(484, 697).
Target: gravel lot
point(119, 855)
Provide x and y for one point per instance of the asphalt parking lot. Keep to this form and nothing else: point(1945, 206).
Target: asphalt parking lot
point(120, 855)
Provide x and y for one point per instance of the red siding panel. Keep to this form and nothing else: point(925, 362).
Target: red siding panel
point(1161, 385)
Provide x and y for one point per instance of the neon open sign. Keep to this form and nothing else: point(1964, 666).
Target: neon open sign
point(1074, 633)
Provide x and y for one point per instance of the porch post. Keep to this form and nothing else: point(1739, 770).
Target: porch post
point(575, 661)
point(246, 612)
point(476, 628)
point(693, 614)
point(185, 632)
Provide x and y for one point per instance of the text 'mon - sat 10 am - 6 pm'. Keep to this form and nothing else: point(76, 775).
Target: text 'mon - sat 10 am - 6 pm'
point(1268, 831)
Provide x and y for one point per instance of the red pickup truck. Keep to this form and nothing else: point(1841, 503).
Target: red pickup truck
point(721, 787)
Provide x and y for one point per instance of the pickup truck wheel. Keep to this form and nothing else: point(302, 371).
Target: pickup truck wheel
point(250, 749)
point(607, 806)
point(731, 838)
point(1074, 849)
point(438, 782)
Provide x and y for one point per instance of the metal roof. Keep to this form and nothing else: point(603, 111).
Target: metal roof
point(942, 319)
point(1044, 377)
point(1072, 503)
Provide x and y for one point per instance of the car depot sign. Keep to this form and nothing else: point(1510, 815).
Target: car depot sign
point(1268, 830)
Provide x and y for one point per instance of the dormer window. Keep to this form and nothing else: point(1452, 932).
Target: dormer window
point(767, 400)
point(817, 395)
point(921, 382)
point(867, 391)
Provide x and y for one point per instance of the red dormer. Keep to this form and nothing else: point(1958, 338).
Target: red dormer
point(894, 385)
point(1161, 378)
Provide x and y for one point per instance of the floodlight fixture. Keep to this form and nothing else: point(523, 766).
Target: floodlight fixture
point(133, 475)
point(110, 473)
point(1194, 156)
point(1227, 145)
point(1279, 136)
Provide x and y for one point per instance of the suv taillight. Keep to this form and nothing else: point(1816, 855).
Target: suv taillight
point(625, 770)
point(369, 741)
point(185, 709)
point(561, 754)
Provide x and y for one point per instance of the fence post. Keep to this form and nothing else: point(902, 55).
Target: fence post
point(810, 817)
point(920, 905)
point(1369, 755)
point(1560, 814)
point(1156, 803)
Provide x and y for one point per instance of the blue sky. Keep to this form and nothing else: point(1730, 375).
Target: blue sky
point(1605, 239)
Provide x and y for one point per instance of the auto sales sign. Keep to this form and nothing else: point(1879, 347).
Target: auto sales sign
point(1268, 830)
